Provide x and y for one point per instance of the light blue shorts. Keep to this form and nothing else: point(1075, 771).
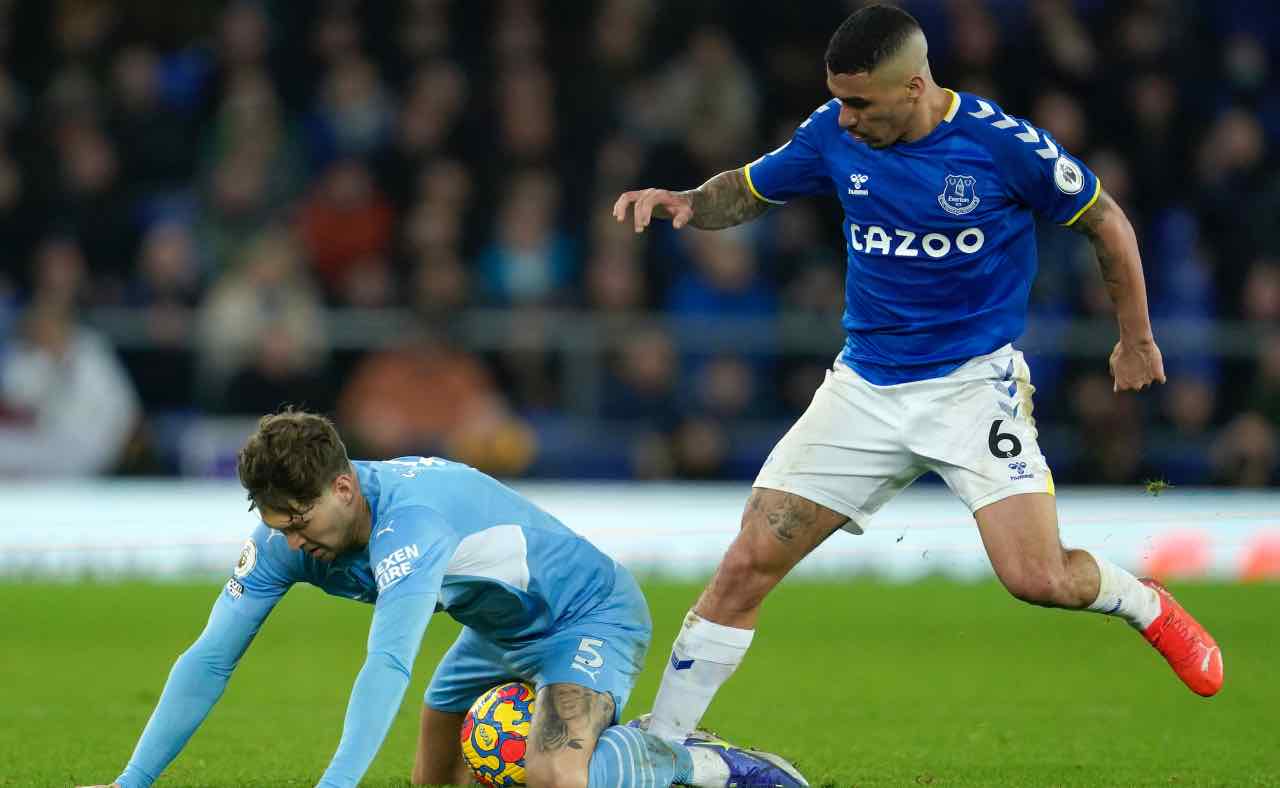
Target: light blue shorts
point(603, 651)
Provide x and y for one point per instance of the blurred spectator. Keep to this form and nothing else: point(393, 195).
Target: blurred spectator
point(529, 261)
point(243, 39)
point(975, 45)
point(1188, 403)
point(1261, 296)
point(346, 228)
point(641, 385)
point(1062, 116)
point(439, 284)
point(1061, 36)
point(60, 275)
point(615, 283)
point(724, 278)
point(155, 150)
point(1245, 452)
point(518, 33)
point(81, 29)
point(90, 202)
point(167, 282)
point(708, 102)
point(1109, 434)
point(427, 124)
point(283, 371)
point(69, 407)
point(700, 449)
point(354, 115)
point(425, 397)
point(268, 291)
point(424, 31)
point(525, 114)
point(726, 388)
point(252, 168)
point(438, 157)
point(1265, 388)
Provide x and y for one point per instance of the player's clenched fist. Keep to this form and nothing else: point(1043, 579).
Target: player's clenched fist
point(1135, 366)
point(654, 203)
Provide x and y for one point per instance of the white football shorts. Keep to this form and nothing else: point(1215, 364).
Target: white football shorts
point(858, 444)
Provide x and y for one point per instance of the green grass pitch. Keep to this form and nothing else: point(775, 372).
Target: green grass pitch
point(862, 683)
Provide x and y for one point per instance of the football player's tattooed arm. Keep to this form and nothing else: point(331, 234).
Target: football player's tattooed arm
point(1116, 245)
point(1135, 361)
point(724, 201)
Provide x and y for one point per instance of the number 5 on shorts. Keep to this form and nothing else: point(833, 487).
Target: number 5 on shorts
point(588, 660)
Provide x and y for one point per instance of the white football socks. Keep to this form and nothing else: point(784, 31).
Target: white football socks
point(1120, 594)
point(709, 769)
point(703, 657)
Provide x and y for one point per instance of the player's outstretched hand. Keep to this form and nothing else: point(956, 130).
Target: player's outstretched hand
point(1135, 366)
point(654, 204)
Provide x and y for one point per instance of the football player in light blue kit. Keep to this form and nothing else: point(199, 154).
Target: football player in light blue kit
point(411, 536)
point(938, 190)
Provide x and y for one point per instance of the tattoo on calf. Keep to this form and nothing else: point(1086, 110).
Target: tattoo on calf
point(564, 710)
point(791, 516)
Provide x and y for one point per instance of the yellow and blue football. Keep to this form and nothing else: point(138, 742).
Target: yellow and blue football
point(494, 734)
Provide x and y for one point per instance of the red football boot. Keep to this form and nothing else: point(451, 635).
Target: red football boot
point(1191, 651)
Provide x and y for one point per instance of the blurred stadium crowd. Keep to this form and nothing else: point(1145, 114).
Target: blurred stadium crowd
point(397, 211)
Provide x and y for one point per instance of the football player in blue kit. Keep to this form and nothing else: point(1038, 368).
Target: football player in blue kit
point(412, 536)
point(939, 191)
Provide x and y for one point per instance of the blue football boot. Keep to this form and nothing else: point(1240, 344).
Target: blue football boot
point(747, 768)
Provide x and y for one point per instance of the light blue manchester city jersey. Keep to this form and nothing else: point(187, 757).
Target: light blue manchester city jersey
point(499, 564)
point(444, 536)
point(939, 232)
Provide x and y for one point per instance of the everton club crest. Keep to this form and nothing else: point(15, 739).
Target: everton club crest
point(958, 196)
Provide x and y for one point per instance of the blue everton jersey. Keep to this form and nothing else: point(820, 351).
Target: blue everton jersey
point(939, 232)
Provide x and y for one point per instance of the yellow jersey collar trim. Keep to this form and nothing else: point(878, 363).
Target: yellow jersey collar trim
point(955, 105)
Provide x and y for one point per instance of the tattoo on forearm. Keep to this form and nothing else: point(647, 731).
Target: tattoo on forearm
point(725, 201)
point(568, 713)
point(1090, 225)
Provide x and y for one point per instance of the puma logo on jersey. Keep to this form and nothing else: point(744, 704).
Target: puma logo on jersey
point(894, 242)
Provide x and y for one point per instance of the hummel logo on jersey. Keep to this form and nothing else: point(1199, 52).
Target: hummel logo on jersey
point(1019, 471)
point(859, 181)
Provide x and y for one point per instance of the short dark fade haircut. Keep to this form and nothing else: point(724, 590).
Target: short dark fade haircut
point(869, 37)
point(291, 458)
